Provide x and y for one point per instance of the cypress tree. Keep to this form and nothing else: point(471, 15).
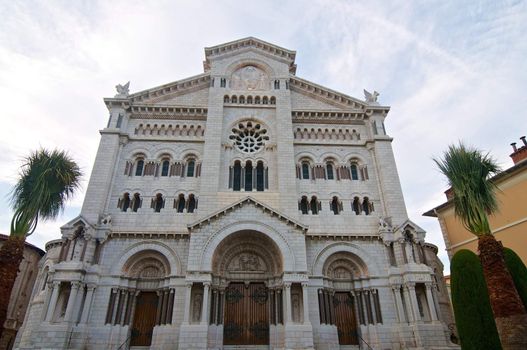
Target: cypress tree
point(518, 272)
point(470, 299)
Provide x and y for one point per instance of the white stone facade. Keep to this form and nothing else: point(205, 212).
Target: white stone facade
point(243, 179)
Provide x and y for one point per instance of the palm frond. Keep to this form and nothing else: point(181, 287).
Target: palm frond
point(468, 171)
point(47, 180)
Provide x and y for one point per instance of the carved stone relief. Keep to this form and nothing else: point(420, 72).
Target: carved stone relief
point(249, 78)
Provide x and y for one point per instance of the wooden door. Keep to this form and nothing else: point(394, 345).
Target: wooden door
point(246, 318)
point(345, 318)
point(144, 319)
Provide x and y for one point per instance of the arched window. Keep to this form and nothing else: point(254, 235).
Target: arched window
point(139, 167)
point(335, 206)
point(305, 170)
point(356, 205)
point(260, 176)
point(158, 203)
point(192, 204)
point(136, 203)
point(234, 99)
point(354, 172)
point(225, 99)
point(124, 203)
point(265, 100)
point(367, 206)
point(257, 100)
point(249, 99)
point(248, 176)
point(303, 205)
point(242, 99)
point(277, 84)
point(237, 176)
point(165, 166)
point(329, 171)
point(223, 82)
point(180, 203)
point(273, 100)
point(314, 205)
point(191, 165)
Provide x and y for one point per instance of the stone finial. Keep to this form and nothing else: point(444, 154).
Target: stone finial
point(371, 98)
point(123, 91)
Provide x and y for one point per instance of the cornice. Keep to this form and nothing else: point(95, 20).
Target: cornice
point(148, 111)
point(334, 97)
point(328, 117)
point(249, 42)
point(148, 234)
point(184, 85)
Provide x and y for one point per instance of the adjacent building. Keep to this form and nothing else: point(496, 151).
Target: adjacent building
point(244, 207)
point(21, 294)
point(508, 224)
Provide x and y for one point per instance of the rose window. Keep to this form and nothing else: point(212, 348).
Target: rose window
point(249, 137)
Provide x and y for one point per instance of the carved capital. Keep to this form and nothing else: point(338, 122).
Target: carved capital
point(75, 285)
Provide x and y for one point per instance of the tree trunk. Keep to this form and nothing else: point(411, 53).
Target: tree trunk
point(11, 254)
point(507, 307)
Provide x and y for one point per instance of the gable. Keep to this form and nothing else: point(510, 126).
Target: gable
point(247, 204)
point(304, 101)
point(197, 97)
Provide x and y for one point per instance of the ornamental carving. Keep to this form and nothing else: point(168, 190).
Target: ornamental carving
point(249, 137)
point(233, 295)
point(249, 78)
point(259, 295)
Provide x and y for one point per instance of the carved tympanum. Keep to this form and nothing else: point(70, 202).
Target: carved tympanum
point(249, 78)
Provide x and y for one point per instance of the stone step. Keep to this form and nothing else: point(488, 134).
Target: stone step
point(245, 347)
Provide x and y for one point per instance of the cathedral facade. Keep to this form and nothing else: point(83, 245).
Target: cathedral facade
point(244, 207)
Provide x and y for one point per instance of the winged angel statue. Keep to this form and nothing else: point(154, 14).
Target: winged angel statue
point(122, 90)
point(371, 97)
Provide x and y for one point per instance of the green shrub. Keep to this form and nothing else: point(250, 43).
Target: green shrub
point(470, 299)
point(518, 272)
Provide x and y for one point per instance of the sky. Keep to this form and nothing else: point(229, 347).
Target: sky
point(450, 71)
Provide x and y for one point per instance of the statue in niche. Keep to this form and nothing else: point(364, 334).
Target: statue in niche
point(295, 305)
point(196, 308)
point(249, 262)
point(249, 78)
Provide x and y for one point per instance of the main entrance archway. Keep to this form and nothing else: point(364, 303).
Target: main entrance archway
point(247, 268)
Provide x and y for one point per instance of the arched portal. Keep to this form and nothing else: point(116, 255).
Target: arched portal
point(345, 303)
point(148, 304)
point(247, 268)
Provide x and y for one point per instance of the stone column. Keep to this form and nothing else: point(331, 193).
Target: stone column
point(367, 320)
point(372, 307)
point(430, 301)
point(186, 313)
point(87, 303)
point(287, 303)
point(399, 303)
point(278, 312)
point(205, 306)
point(71, 301)
point(413, 299)
point(305, 302)
point(53, 300)
point(124, 307)
point(409, 310)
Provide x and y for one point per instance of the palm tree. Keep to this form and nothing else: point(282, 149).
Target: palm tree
point(469, 171)
point(47, 180)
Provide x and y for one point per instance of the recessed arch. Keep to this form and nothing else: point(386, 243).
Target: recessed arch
point(171, 257)
point(288, 255)
point(345, 247)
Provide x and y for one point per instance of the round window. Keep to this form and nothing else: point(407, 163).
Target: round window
point(249, 137)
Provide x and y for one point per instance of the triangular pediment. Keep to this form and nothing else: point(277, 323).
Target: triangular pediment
point(409, 224)
point(78, 220)
point(250, 43)
point(240, 204)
